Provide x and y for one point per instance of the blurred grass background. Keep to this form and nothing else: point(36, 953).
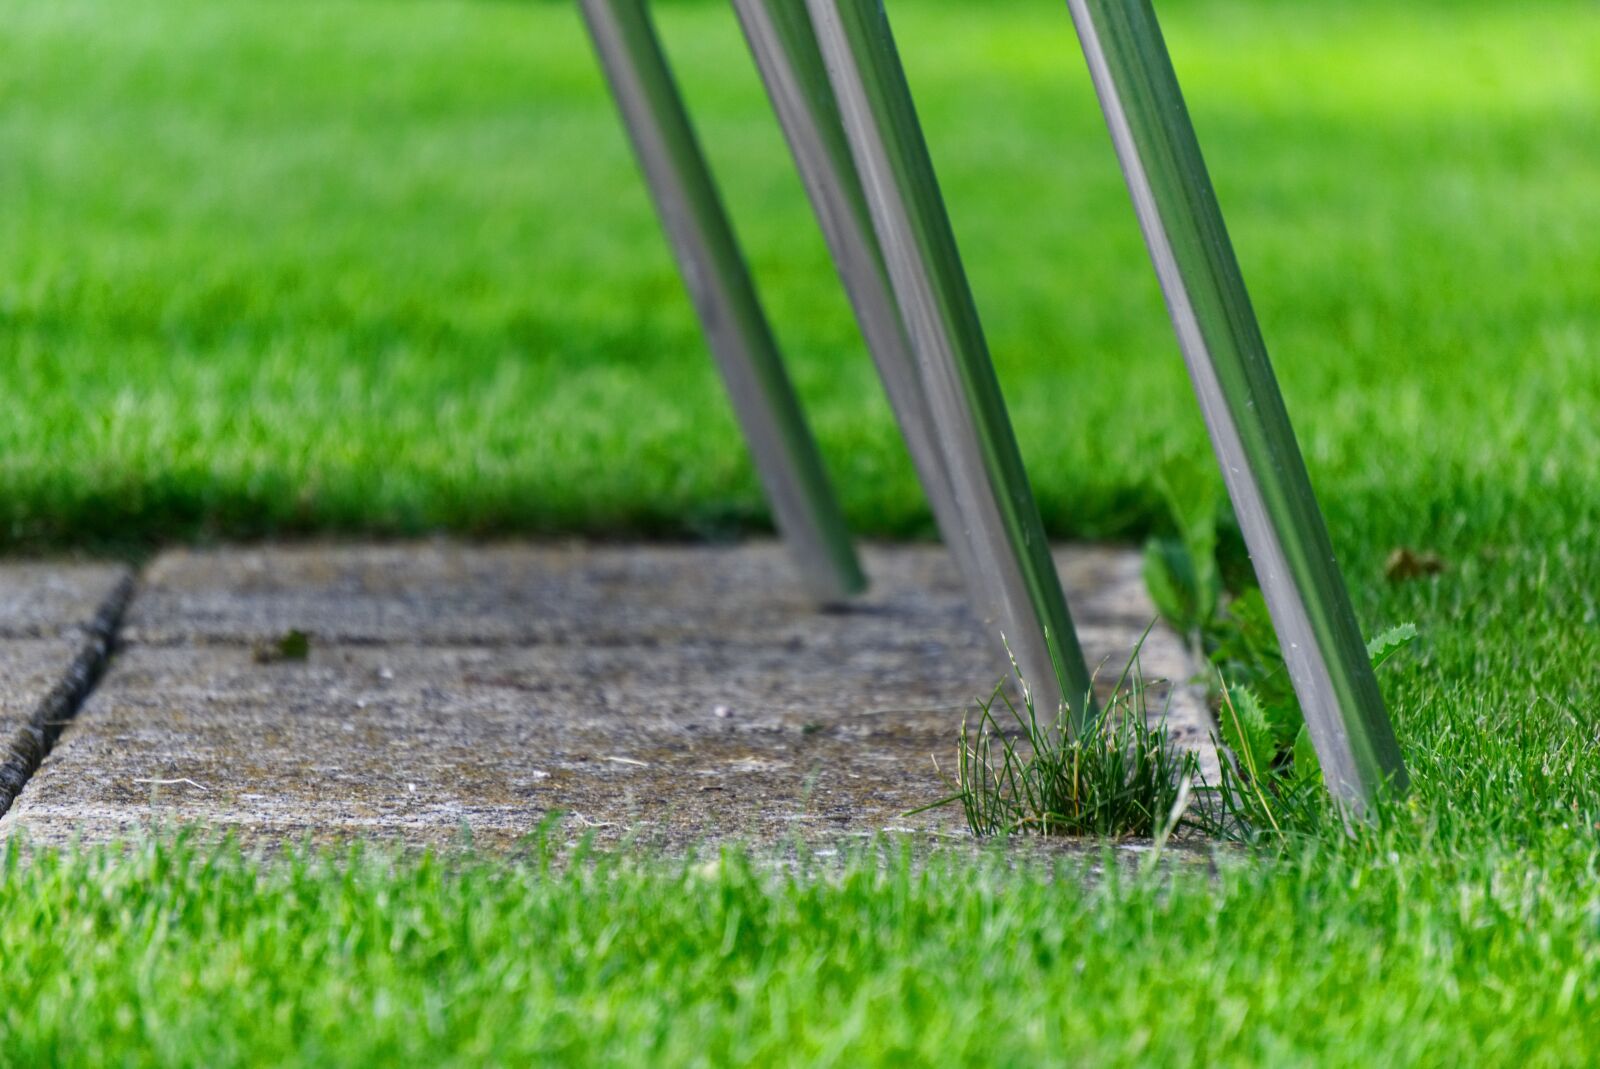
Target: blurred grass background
point(386, 266)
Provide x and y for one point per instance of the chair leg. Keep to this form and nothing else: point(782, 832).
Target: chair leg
point(719, 284)
point(930, 286)
point(1244, 410)
point(785, 49)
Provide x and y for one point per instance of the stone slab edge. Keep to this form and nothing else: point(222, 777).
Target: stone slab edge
point(21, 753)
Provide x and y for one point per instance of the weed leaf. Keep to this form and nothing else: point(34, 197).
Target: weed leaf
point(1307, 766)
point(1390, 642)
point(1170, 580)
point(1246, 729)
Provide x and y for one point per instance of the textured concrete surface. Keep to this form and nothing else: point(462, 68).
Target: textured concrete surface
point(444, 592)
point(674, 694)
point(55, 623)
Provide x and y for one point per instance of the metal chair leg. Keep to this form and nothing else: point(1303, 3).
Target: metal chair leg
point(1244, 411)
point(930, 286)
point(787, 55)
point(736, 329)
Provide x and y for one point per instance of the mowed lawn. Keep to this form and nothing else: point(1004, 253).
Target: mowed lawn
point(386, 266)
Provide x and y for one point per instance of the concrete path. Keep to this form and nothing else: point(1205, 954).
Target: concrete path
point(672, 694)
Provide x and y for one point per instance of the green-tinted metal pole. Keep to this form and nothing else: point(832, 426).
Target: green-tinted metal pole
point(1239, 396)
point(930, 286)
point(786, 53)
point(719, 284)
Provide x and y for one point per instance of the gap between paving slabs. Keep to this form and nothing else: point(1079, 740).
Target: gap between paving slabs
point(676, 694)
point(57, 624)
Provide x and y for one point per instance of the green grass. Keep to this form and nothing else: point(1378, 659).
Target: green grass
point(178, 955)
point(387, 265)
point(363, 266)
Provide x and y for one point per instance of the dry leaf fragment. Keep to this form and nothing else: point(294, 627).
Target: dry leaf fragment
point(1406, 563)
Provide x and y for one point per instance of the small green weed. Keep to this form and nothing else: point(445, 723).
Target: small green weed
point(1202, 583)
point(293, 645)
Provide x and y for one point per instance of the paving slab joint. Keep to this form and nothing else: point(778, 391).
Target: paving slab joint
point(30, 743)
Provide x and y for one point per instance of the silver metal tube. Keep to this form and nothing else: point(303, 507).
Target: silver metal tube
point(1244, 410)
point(930, 286)
point(719, 284)
point(787, 55)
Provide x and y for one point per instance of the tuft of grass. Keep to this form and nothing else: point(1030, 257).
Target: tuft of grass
point(1121, 777)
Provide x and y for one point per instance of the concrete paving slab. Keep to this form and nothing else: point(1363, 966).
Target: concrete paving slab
point(49, 600)
point(55, 622)
point(446, 592)
point(679, 694)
